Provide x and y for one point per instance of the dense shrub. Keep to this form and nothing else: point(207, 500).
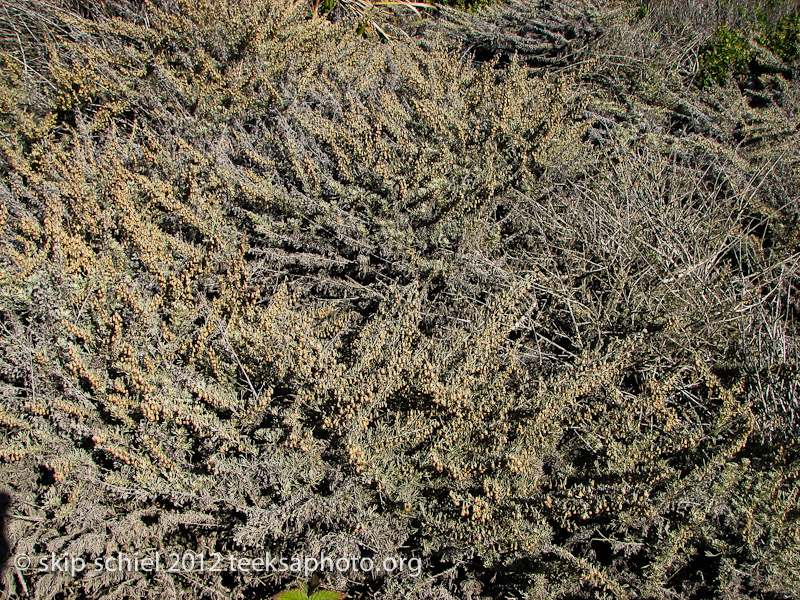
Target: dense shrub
point(784, 38)
point(730, 37)
point(268, 285)
point(728, 52)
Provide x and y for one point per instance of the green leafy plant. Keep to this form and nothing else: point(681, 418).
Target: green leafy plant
point(728, 51)
point(466, 5)
point(310, 591)
point(784, 39)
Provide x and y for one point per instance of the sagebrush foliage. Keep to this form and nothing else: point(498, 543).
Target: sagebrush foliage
point(267, 285)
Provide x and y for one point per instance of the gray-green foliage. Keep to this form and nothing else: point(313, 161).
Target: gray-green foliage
point(267, 285)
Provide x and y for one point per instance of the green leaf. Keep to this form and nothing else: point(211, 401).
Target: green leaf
point(296, 594)
point(327, 595)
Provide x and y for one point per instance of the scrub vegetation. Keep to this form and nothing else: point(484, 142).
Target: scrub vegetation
point(512, 291)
